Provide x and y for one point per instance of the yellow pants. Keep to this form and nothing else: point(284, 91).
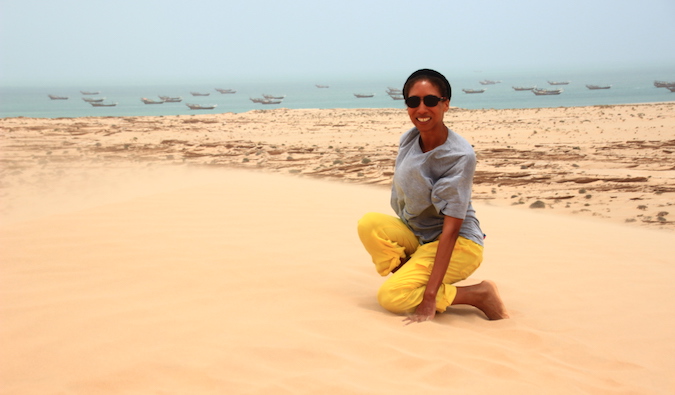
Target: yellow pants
point(388, 240)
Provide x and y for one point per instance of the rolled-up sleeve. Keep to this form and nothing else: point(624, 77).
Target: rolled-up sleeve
point(451, 194)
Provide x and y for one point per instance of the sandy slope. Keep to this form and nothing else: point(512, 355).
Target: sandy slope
point(220, 281)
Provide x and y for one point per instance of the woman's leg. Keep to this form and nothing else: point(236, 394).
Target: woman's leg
point(404, 290)
point(387, 239)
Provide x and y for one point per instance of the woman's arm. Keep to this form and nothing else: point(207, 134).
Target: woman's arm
point(446, 244)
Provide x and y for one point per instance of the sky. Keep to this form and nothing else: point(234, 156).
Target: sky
point(146, 41)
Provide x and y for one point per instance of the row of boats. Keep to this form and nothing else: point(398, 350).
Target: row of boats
point(100, 101)
point(535, 90)
point(670, 85)
point(394, 93)
point(178, 99)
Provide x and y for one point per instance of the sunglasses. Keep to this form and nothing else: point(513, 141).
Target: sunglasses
point(429, 101)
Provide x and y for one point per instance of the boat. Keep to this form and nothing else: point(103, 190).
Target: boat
point(150, 101)
point(93, 99)
point(270, 101)
point(95, 104)
point(595, 87)
point(523, 88)
point(169, 99)
point(488, 82)
point(671, 88)
point(272, 97)
point(256, 99)
point(664, 84)
point(199, 94)
point(395, 94)
point(558, 82)
point(56, 97)
point(473, 90)
point(90, 92)
point(547, 92)
point(364, 95)
point(322, 86)
point(201, 107)
point(226, 91)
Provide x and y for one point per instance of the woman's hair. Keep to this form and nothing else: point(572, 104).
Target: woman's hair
point(434, 77)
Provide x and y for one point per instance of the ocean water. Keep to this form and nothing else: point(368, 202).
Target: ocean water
point(628, 86)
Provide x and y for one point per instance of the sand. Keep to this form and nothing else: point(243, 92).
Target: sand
point(218, 254)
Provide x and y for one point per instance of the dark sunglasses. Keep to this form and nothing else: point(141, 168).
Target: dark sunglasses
point(429, 101)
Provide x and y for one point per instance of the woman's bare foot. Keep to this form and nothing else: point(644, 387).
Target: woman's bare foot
point(483, 296)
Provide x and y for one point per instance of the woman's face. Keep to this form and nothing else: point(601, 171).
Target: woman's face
point(427, 119)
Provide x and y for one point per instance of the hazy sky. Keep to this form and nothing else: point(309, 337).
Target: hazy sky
point(147, 41)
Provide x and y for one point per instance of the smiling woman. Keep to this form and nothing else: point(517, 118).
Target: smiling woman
point(427, 97)
point(436, 240)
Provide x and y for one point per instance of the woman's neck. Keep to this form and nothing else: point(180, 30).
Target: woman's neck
point(432, 139)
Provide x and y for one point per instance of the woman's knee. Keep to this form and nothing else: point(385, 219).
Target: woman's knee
point(369, 225)
point(369, 221)
point(393, 299)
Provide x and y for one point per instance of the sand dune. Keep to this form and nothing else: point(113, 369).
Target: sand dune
point(129, 275)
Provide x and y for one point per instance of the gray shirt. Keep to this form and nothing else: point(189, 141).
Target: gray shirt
point(430, 185)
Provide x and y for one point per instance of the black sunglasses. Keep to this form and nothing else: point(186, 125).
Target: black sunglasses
point(429, 101)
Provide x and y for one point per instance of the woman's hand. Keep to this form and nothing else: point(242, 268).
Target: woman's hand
point(426, 311)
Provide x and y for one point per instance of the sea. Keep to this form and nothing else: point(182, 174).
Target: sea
point(628, 86)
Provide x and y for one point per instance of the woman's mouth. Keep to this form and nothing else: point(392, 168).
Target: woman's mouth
point(425, 119)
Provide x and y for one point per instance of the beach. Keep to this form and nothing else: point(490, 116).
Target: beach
point(217, 253)
point(608, 162)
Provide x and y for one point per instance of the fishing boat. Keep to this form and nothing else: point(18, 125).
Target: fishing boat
point(489, 82)
point(226, 91)
point(671, 88)
point(270, 101)
point(322, 86)
point(364, 95)
point(199, 94)
point(93, 99)
point(256, 99)
point(558, 82)
point(150, 101)
point(664, 84)
point(56, 97)
point(395, 94)
point(595, 87)
point(201, 107)
point(547, 92)
point(94, 104)
point(523, 88)
point(169, 99)
point(473, 90)
point(90, 92)
point(272, 97)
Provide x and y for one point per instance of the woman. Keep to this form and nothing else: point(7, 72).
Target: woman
point(436, 240)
